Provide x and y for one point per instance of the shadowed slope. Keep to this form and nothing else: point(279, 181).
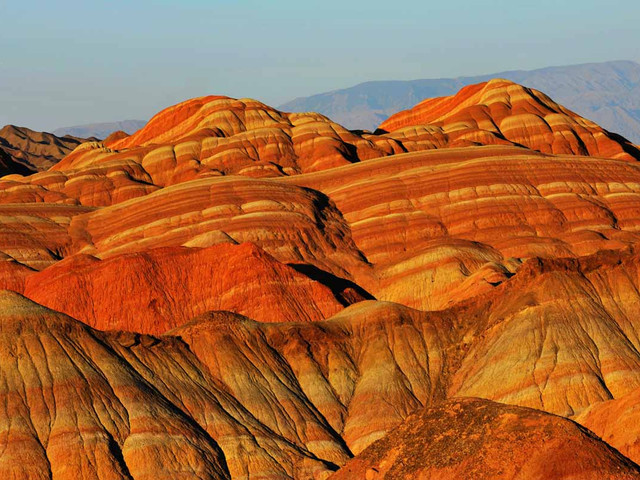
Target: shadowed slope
point(294, 224)
point(25, 151)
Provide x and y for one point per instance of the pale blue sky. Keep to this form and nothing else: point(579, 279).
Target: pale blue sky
point(71, 62)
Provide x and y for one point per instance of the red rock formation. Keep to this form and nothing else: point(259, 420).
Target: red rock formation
point(444, 225)
point(173, 285)
point(312, 385)
point(295, 225)
point(502, 112)
point(203, 137)
point(473, 438)
point(425, 229)
point(219, 135)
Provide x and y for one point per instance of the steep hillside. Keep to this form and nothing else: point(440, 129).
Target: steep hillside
point(293, 400)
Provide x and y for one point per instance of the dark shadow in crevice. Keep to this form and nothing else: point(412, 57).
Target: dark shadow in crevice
point(346, 291)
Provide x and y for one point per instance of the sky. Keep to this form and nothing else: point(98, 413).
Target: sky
point(66, 63)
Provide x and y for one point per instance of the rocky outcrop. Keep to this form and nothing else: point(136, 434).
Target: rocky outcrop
point(72, 408)
point(78, 403)
point(480, 439)
point(304, 391)
point(316, 382)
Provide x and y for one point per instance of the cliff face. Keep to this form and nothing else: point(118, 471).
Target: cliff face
point(178, 317)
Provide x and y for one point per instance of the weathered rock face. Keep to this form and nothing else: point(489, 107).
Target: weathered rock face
point(523, 343)
point(173, 285)
point(72, 408)
point(502, 112)
point(25, 151)
point(78, 403)
point(310, 386)
point(473, 438)
point(322, 378)
point(560, 336)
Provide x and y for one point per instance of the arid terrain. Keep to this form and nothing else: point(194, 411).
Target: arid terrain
point(238, 292)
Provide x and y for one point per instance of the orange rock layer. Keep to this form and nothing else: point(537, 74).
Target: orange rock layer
point(501, 112)
point(173, 285)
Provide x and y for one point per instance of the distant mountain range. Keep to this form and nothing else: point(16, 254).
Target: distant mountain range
point(101, 130)
point(607, 93)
